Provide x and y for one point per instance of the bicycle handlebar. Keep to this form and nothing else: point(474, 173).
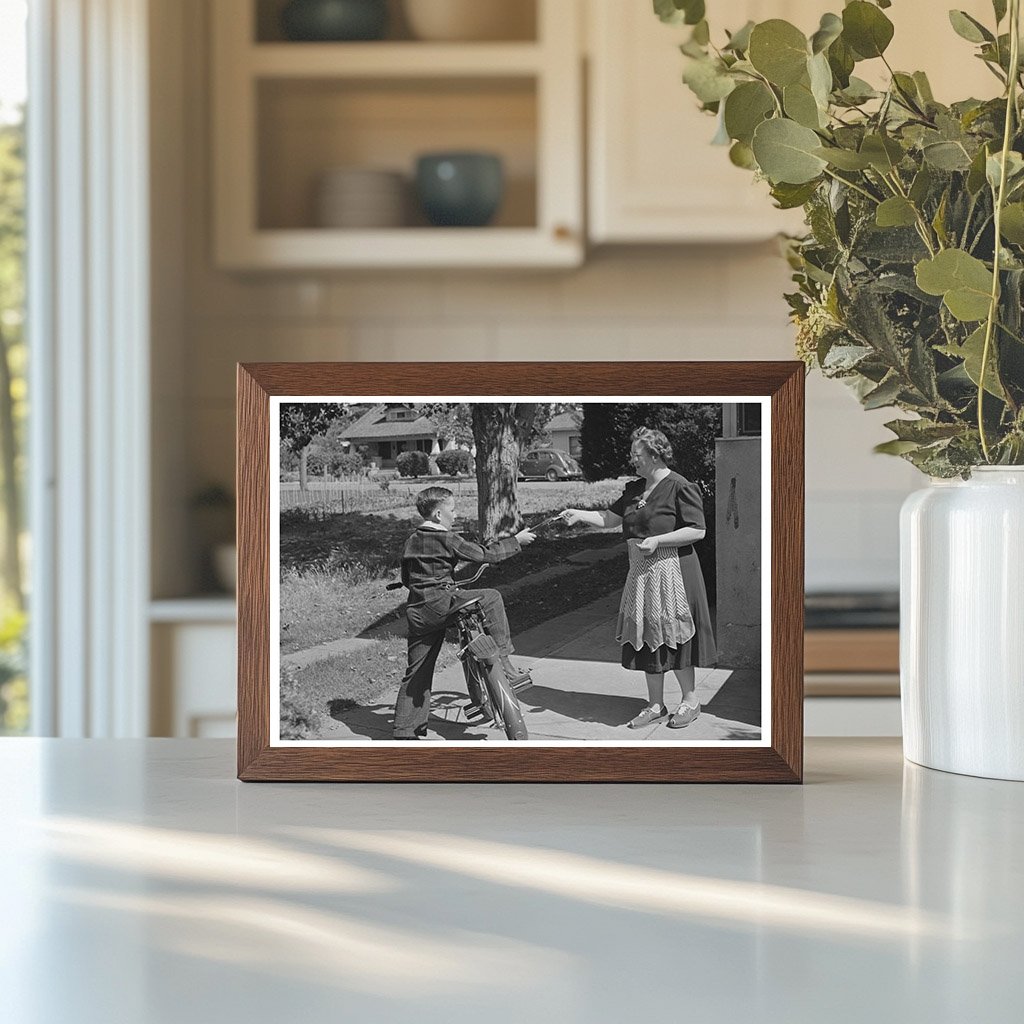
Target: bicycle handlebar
point(459, 583)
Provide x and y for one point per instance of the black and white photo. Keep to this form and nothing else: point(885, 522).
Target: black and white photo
point(563, 570)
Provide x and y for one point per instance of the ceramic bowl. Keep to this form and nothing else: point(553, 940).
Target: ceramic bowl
point(460, 189)
point(334, 20)
point(471, 20)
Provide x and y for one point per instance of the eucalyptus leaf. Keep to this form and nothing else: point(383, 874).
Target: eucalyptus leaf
point(895, 212)
point(939, 220)
point(968, 28)
point(895, 447)
point(721, 136)
point(976, 174)
point(924, 88)
point(820, 75)
point(739, 41)
point(946, 156)
point(885, 394)
point(923, 431)
point(841, 60)
point(785, 152)
point(708, 81)
point(701, 33)
point(675, 12)
point(994, 168)
point(800, 105)
point(963, 281)
point(1011, 225)
point(858, 91)
point(741, 155)
point(972, 352)
point(999, 7)
point(883, 153)
point(788, 196)
point(745, 108)
point(779, 51)
point(829, 30)
point(844, 159)
point(866, 29)
point(921, 185)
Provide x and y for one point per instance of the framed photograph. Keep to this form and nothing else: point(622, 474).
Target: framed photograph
point(519, 572)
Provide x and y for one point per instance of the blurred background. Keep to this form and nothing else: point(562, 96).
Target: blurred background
point(251, 180)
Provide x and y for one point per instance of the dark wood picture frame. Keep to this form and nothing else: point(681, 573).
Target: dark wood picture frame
point(780, 761)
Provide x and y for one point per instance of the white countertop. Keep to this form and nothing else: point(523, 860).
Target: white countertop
point(144, 885)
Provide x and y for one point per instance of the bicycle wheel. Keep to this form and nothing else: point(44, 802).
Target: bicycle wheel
point(505, 702)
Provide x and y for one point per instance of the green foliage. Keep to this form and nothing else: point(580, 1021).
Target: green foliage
point(454, 461)
point(413, 464)
point(691, 430)
point(904, 289)
point(301, 422)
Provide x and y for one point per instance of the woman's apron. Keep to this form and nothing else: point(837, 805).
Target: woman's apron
point(654, 610)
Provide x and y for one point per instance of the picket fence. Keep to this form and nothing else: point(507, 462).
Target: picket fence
point(357, 495)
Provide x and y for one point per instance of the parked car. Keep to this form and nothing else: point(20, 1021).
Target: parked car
point(548, 464)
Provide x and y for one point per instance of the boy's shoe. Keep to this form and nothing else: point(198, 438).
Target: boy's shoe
point(651, 713)
point(685, 714)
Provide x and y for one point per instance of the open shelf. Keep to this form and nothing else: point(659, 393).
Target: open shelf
point(306, 128)
point(393, 60)
point(519, 17)
point(286, 114)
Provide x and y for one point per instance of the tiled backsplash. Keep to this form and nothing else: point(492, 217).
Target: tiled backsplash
point(704, 303)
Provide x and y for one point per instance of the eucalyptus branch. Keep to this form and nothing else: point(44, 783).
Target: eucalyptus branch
point(923, 228)
point(855, 187)
point(993, 308)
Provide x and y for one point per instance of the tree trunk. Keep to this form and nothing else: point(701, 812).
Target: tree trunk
point(303, 457)
point(496, 435)
point(11, 491)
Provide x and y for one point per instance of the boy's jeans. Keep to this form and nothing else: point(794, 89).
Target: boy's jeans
point(427, 623)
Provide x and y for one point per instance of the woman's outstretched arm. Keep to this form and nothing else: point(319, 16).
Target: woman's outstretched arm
point(592, 517)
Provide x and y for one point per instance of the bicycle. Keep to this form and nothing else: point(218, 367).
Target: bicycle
point(491, 695)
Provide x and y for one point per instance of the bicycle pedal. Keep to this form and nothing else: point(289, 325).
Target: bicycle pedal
point(475, 713)
point(522, 684)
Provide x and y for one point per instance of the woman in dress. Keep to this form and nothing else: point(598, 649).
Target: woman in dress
point(664, 621)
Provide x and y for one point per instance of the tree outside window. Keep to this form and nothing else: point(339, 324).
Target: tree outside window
point(14, 716)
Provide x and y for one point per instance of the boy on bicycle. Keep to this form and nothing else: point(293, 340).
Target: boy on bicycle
point(428, 571)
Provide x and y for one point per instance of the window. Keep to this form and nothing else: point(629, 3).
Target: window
point(749, 420)
point(14, 705)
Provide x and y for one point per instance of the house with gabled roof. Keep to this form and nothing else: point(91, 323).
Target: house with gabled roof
point(386, 430)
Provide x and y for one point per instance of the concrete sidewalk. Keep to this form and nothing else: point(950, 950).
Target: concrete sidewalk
point(580, 692)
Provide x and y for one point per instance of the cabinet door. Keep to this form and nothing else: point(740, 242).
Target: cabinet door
point(653, 174)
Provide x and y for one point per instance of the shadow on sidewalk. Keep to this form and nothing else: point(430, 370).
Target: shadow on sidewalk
point(602, 708)
point(374, 721)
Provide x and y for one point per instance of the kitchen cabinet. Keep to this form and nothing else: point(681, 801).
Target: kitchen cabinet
point(287, 113)
point(653, 175)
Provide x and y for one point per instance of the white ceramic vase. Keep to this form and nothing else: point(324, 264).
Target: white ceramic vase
point(962, 624)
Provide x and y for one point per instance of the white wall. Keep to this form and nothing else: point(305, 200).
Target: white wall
point(718, 302)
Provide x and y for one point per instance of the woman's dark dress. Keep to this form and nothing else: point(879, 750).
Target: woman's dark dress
point(673, 504)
